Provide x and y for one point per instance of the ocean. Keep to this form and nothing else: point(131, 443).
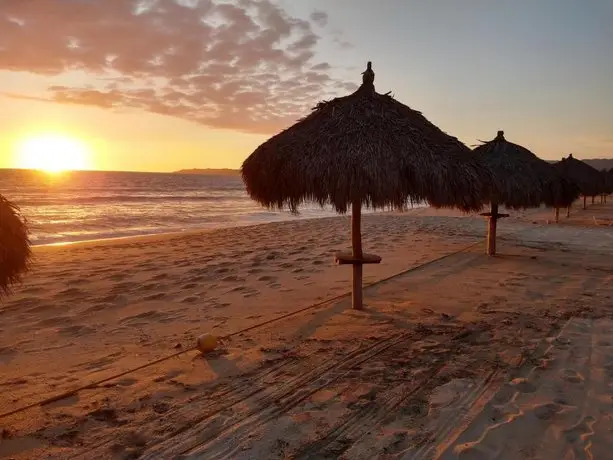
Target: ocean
point(93, 205)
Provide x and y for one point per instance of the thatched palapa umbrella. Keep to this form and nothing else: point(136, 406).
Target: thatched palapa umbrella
point(607, 184)
point(521, 180)
point(364, 149)
point(570, 191)
point(14, 246)
point(588, 179)
point(560, 192)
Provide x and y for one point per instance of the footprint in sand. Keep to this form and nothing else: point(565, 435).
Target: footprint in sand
point(7, 355)
point(78, 281)
point(570, 375)
point(156, 296)
point(100, 363)
point(114, 299)
point(562, 342)
point(55, 321)
point(267, 278)
point(147, 315)
point(190, 299)
point(33, 290)
point(232, 278)
point(545, 363)
point(523, 385)
point(147, 287)
point(39, 309)
point(169, 375)
point(581, 431)
point(546, 411)
point(124, 287)
point(71, 292)
point(77, 330)
point(116, 277)
point(468, 452)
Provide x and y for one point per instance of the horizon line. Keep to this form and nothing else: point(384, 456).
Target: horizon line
point(178, 171)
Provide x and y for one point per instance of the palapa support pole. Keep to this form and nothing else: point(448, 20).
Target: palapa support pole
point(584, 202)
point(593, 199)
point(491, 231)
point(557, 215)
point(568, 212)
point(356, 245)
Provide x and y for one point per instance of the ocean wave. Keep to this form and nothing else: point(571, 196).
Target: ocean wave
point(148, 198)
point(93, 206)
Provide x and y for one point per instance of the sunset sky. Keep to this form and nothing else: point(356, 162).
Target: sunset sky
point(170, 84)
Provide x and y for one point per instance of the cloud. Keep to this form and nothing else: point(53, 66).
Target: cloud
point(320, 18)
point(246, 65)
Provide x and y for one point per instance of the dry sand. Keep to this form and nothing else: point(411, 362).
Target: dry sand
point(466, 357)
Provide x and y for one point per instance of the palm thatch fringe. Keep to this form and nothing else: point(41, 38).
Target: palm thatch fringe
point(368, 149)
point(520, 180)
point(15, 252)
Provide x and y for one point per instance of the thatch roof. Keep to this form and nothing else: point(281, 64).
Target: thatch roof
point(14, 246)
point(521, 179)
point(365, 147)
point(587, 178)
point(561, 192)
point(607, 181)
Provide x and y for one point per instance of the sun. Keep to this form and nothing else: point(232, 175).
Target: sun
point(52, 154)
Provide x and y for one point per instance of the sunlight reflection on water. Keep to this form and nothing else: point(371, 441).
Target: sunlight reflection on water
point(81, 206)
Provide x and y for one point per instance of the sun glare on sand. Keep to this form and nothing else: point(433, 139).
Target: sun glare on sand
point(52, 154)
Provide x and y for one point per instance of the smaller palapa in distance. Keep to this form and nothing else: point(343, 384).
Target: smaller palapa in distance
point(364, 150)
point(588, 179)
point(520, 180)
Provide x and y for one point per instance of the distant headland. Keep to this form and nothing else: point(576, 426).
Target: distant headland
point(210, 172)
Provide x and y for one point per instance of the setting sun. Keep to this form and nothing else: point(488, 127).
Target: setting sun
point(53, 153)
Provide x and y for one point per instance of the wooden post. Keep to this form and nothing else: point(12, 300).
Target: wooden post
point(356, 245)
point(593, 200)
point(557, 215)
point(491, 231)
point(584, 202)
point(568, 212)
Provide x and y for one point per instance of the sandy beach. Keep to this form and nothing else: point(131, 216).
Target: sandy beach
point(457, 355)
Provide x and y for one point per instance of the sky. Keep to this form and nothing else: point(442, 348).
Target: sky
point(170, 84)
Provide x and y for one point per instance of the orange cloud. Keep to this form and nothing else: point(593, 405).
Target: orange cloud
point(247, 66)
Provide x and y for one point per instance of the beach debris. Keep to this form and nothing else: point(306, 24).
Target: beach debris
point(206, 343)
point(364, 150)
